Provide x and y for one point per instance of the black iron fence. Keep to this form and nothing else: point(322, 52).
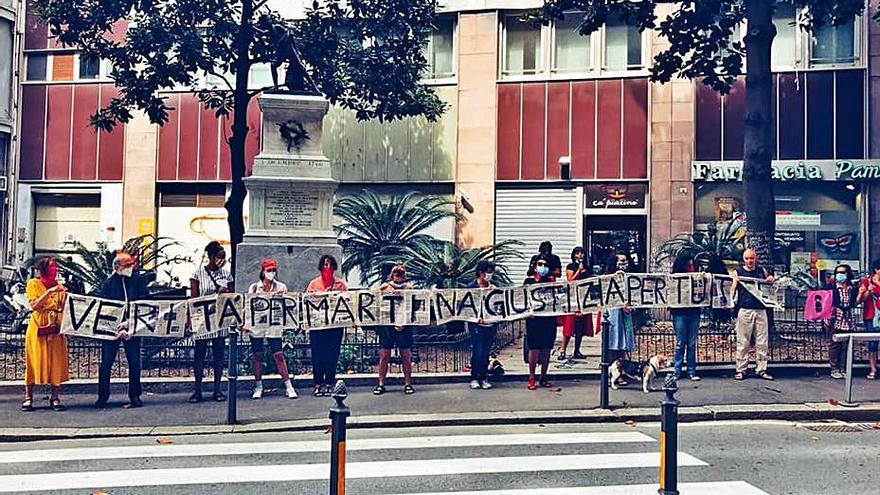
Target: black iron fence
point(439, 349)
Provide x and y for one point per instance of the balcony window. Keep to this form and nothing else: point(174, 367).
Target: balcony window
point(784, 50)
point(440, 50)
point(834, 44)
point(623, 46)
point(522, 48)
point(571, 51)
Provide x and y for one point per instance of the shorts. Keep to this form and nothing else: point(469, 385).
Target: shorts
point(257, 344)
point(577, 325)
point(873, 345)
point(390, 338)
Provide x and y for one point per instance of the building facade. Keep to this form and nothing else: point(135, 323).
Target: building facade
point(10, 11)
point(549, 136)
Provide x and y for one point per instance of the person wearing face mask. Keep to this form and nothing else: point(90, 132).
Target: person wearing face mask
point(869, 294)
point(212, 278)
point(325, 344)
point(540, 330)
point(555, 264)
point(844, 299)
point(45, 349)
point(621, 333)
point(482, 333)
point(123, 285)
point(268, 284)
point(576, 325)
point(391, 336)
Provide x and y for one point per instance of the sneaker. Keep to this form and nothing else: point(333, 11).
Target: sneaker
point(837, 375)
point(695, 378)
point(485, 385)
point(258, 393)
point(475, 385)
point(766, 376)
point(291, 392)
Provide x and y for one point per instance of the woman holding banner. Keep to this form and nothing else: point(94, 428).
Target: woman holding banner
point(391, 336)
point(576, 325)
point(212, 278)
point(869, 294)
point(540, 330)
point(45, 349)
point(686, 322)
point(482, 333)
point(268, 284)
point(325, 344)
point(621, 335)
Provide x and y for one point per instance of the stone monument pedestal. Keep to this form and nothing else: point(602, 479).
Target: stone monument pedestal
point(291, 194)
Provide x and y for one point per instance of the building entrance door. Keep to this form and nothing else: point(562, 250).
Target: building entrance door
point(605, 234)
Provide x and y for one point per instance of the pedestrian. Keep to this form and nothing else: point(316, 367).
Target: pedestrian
point(210, 279)
point(869, 295)
point(269, 284)
point(555, 264)
point(482, 333)
point(540, 330)
point(751, 318)
point(686, 322)
point(45, 349)
point(576, 325)
point(325, 344)
point(621, 332)
point(391, 336)
point(124, 285)
point(844, 299)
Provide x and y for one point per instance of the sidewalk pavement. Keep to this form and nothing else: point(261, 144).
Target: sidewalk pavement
point(792, 396)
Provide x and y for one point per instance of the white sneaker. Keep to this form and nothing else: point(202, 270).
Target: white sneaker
point(258, 393)
point(291, 392)
point(695, 378)
point(485, 385)
point(475, 385)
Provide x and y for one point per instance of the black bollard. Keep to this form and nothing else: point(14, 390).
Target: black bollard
point(232, 376)
point(669, 438)
point(338, 415)
point(604, 364)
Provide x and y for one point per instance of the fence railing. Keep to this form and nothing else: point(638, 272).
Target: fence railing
point(440, 349)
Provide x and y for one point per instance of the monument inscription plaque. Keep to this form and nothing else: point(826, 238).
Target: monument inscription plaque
point(291, 209)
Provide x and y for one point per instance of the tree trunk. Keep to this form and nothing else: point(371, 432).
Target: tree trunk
point(760, 205)
point(241, 98)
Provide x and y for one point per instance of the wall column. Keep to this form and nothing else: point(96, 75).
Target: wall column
point(139, 186)
point(475, 171)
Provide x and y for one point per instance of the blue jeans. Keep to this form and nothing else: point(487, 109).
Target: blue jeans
point(482, 338)
point(686, 329)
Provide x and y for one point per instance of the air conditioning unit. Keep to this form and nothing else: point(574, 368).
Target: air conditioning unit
point(3, 183)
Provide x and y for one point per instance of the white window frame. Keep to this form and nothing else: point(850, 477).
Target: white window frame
point(431, 80)
point(567, 73)
point(103, 72)
point(540, 71)
point(859, 28)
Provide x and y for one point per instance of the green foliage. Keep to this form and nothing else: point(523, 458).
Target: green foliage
point(371, 226)
point(93, 267)
point(443, 264)
point(725, 240)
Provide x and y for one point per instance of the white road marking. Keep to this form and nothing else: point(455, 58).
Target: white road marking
point(303, 472)
point(222, 449)
point(709, 488)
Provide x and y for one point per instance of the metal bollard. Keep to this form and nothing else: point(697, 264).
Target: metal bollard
point(669, 438)
point(338, 414)
point(604, 364)
point(848, 402)
point(232, 376)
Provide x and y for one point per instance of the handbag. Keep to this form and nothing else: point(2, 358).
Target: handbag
point(51, 328)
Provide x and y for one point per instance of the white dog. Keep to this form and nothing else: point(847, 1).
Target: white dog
point(646, 372)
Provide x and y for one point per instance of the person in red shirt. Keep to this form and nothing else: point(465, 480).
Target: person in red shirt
point(326, 343)
point(869, 294)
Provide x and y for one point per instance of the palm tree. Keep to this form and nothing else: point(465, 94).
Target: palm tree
point(724, 240)
point(444, 265)
point(371, 227)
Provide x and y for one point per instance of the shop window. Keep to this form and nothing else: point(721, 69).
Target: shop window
point(522, 48)
point(440, 51)
point(623, 46)
point(835, 44)
point(783, 53)
point(571, 51)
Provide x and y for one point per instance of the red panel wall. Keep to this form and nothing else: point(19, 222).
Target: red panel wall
point(558, 120)
point(583, 130)
point(33, 125)
point(111, 150)
point(734, 121)
point(84, 149)
point(208, 150)
point(608, 145)
point(533, 129)
point(188, 138)
point(58, 119)
point(509, 103)
point(635, 128)
point(167, 153)
point(225, 153)
point(36, 33)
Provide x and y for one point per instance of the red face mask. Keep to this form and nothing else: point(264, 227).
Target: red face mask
point(327, 276)
point(49, 278)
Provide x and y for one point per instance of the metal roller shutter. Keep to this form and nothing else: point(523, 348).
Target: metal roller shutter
point(535, 215)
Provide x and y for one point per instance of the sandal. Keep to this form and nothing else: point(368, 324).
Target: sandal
point(739, 376)
point(195, 398)
point(546, 383)
point(379, 390)
point(872, 375)
point(622, 383)
point(56, 405)
point(328, 391)
point(532, 385)
point(408, 389)
point(317, 392)
point(28, 404)
point(765, 376)
point(219, 396)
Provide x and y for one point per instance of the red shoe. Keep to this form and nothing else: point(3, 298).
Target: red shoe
point(532, 384)
point(546, 384)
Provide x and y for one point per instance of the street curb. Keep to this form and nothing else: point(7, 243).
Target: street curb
point(690, 414)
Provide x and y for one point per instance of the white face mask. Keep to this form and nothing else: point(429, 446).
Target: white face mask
point(126, 272)
point(270, 276)
point(487, 276)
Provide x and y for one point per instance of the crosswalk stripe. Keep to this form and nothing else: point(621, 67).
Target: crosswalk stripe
point(706, 488)
point(305, 472)
point(221, 449)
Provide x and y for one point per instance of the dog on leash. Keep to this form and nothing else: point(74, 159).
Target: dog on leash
point(646, 371)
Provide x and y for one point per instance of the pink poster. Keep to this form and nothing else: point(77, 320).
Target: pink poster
point(819, 305)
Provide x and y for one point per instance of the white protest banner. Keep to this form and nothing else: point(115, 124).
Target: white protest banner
point(645, 290)
point(269, 315)
point(765, 292)
point(87, 316)
point(315, 310)
point(202, 312)
point(611, 289)
point(550, 299)
point(230, 311)
point(342, 309)
point(158, 319)
point(687, 290)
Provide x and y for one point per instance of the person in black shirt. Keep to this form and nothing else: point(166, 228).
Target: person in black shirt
point(751, 319)
point(555, 264)
point(540, 330)
point(686, 322)
point(576, 325)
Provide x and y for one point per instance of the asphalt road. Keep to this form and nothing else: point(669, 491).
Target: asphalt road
point(742, 458)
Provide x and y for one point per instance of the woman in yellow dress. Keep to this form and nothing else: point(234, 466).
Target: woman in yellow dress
point(46, 354)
